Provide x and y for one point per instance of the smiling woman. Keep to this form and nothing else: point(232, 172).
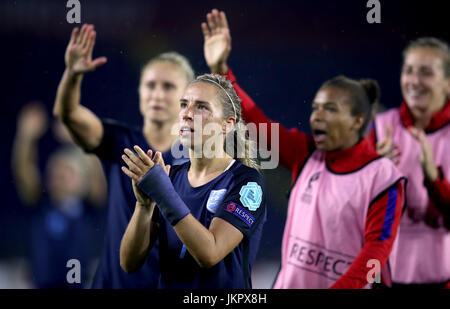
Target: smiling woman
point(420, 129)
point(425, 78)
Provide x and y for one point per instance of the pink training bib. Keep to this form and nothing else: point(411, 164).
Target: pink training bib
point(422, 254)
point(326, 218)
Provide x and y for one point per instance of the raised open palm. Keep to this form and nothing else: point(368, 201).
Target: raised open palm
point(78, 55)
point(33, 120)
point(217, 37)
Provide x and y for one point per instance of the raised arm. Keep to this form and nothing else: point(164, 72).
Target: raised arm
point(84, 126)
point(31, 125)
point(294, 146)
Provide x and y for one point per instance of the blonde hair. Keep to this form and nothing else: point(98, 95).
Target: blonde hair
point(174, 58)
point(237, 139)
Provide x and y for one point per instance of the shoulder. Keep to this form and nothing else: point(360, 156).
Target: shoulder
point(244, 203)
point(442, 134)
point(242, 173)
point(249, 186)
point(389, 115)
point(385, 174)
point(384, 167)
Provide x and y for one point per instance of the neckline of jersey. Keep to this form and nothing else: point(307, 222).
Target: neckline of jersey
point(351, 159)
point(188, 165)
point(439, 119)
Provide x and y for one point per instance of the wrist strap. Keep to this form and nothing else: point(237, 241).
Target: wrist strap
point(158, 186)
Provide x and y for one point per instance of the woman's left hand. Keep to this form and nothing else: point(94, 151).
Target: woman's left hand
point(426, 155)
point(142, 163)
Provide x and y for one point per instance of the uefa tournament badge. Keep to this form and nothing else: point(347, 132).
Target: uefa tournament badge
point(251, 195)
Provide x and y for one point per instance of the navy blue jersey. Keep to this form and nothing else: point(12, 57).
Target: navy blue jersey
point(57, 236)
point(121, 203)
point(235, 196)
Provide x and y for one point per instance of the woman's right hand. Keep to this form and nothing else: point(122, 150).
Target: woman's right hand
point(78, 55)
point(140, 165)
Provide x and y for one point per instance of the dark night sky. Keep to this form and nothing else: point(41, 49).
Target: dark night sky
point(282, 52)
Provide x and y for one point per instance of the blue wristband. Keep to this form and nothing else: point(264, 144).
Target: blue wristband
point(157, 185)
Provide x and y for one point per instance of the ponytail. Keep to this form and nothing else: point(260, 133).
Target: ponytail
point(238, 145)
point(372, 89)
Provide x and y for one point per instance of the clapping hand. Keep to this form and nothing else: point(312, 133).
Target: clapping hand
point(426, 155)
point(138, 166)
point(387, 148)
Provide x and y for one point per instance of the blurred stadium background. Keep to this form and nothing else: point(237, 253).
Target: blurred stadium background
point(282, 52)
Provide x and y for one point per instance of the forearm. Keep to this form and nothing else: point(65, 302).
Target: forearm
point(356, 276)
point(84, 126)
point(199, 241)
point(137, 240)
point(68, 94)
point(207, 246)
point(219, 68)
point(25, 169)
point(292, 146)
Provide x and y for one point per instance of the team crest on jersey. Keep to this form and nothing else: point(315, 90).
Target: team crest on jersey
point(214, 200)
point(251, 195)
